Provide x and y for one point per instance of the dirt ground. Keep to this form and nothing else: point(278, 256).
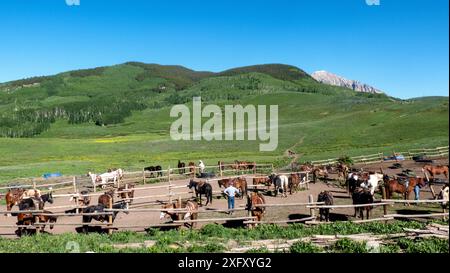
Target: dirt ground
point(272, 213)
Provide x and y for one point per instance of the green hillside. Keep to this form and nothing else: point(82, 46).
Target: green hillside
point(119, 116)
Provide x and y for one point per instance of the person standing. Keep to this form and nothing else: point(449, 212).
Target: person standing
point(231, 192)
point(201, 166)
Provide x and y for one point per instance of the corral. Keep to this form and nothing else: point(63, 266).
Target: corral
point(150, 192)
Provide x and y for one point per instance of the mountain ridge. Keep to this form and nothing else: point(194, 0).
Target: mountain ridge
point(326, 77)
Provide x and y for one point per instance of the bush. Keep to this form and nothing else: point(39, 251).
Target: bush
point(304, 247)
point(349, 246)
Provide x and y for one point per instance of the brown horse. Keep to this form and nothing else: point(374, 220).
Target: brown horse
point(254, 199)
point(126, 192)
point(105, 198)
point(192, 168)
point(435, 170)
point(342, 171)
point(241, 184)
point(320, 172)
point(294, 183)
point(13, 197)
point(394, 186)
point(327, 198)
point(190, 206)
point(262, 180)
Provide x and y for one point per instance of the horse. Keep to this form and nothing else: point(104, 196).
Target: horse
point(262, 180)
point(444, 195)
point(373, 181)
point(280, 182)
point(342, 170)
point(224, 182)
point(201, 188)
point(192, 168)
point(435, 170)
point(83, 198)
point(254, 199)
point(221, 165)
point(307, 167)
point(191, 213)
point(320, 172)
point(293, 183)
point(100, 208)
point(26, 218)
point(104, 178)
point(13, 197)
point(181, 167)
point(126, 191)
point(362, 196)
point(106, 198)
point(327, 198)
point(353, 182)
point(394, 186)
point(154, 169)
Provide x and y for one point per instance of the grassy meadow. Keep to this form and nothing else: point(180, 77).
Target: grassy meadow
point(315, 121)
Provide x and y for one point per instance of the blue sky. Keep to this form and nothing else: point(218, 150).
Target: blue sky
point(400, 46)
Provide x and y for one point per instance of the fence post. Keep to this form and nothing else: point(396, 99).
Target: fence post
point(36, 220)
point(312, 211)
point(143, 176)
point(34, 184)
point(170, 184)
point(110, 221)
point(126, 196)
point(75, 184)
point(383, 193)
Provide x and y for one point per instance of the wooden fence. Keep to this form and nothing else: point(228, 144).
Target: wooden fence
point(380, 157)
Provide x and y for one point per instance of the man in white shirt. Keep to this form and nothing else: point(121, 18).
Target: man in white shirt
point(231, 193)
point(201, 166)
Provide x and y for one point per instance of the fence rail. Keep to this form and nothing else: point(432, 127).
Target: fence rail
point(380, 157)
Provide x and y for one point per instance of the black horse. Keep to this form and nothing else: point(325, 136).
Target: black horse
point(362, 196)
point(154, 169)
point(100, 208)
point(202, 188)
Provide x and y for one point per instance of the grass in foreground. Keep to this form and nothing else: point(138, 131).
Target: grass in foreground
point(216, 238)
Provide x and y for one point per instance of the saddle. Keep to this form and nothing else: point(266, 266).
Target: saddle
point(403, 181)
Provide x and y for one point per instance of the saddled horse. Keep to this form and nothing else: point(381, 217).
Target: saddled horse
point(190, 206)
point(281, 182)
point(404, 187)
point(327, 198)
point(435, 170)
point(181, 167)
point(255, 199)
point(201, 188)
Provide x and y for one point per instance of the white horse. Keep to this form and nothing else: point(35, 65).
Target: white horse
point(280, 182)
point(104, 178)
point(373, 181)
